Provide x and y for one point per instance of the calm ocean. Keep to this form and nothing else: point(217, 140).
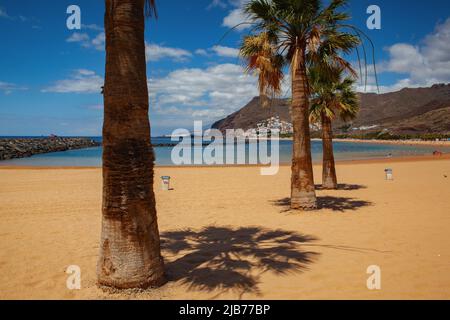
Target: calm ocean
point(343, 151)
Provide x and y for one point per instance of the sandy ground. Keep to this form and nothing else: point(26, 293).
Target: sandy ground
point(227, 234)
point(437, 143)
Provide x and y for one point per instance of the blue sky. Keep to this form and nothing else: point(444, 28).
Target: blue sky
point(50, 76)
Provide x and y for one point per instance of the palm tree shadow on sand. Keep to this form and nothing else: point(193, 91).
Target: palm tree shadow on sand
point(225, 259)
point(340, 204)
point(344, 187)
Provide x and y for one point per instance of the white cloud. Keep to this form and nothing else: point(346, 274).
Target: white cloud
point(201, 52)
point(8, 88)
point(83, 72)
point(78, 37)
point(236, 16)
point(236, 19)
point(154, 52)
point(203, 94)
point(92, 27)
point(81, 81)
point(98, 43)
point(217, 3)
point(21, 18)
point(3, 14)
point(221, 51)
point(226, 51)
point(423, 65)
point(420, 65)
point(403, 58)
point(437, 44)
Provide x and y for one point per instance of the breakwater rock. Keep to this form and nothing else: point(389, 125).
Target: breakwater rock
point(13, 148)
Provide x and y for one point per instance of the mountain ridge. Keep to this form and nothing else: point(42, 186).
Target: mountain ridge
point(409, 111)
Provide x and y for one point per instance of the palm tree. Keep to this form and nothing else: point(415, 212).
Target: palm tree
point(332, 95)
point(296, 28)
point(130, 247)
point(261, 58)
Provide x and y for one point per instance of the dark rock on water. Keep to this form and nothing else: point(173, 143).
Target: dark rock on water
point(12, 148)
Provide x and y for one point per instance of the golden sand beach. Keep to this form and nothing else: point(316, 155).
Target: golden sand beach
point(227, 233)
point(436, 143)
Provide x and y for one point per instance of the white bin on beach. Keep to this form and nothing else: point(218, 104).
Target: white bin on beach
point(165, 183)
point(389, 174)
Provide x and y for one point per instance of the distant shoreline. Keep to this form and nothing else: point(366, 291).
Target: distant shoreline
point(386, 160)
point(391, 142)
point(430, 147)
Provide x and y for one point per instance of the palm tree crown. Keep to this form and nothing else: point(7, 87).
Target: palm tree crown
point(304, 25)
point(332, 96)
point(260, 56)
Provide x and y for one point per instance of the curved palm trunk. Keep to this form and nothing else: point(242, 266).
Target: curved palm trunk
point(329, 180)
point(130, 249)
point(303, 195)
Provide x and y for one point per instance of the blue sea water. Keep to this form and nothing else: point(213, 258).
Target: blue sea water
point(343, 151)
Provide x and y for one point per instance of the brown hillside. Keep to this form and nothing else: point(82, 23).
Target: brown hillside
point(408, 111)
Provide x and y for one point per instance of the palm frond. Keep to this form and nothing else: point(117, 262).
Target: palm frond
point(261, 58)
point(332, 95)
point(150, 8)
point(319, 34)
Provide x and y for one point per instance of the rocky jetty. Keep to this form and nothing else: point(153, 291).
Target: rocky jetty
point(12, 148)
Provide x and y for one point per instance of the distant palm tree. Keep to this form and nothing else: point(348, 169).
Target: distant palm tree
point(296, 29)
point(332, 95)
point(130, 247)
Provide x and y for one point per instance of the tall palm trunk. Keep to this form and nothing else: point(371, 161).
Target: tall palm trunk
point(329, 180)
point(130, 247)
point(303, 195)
